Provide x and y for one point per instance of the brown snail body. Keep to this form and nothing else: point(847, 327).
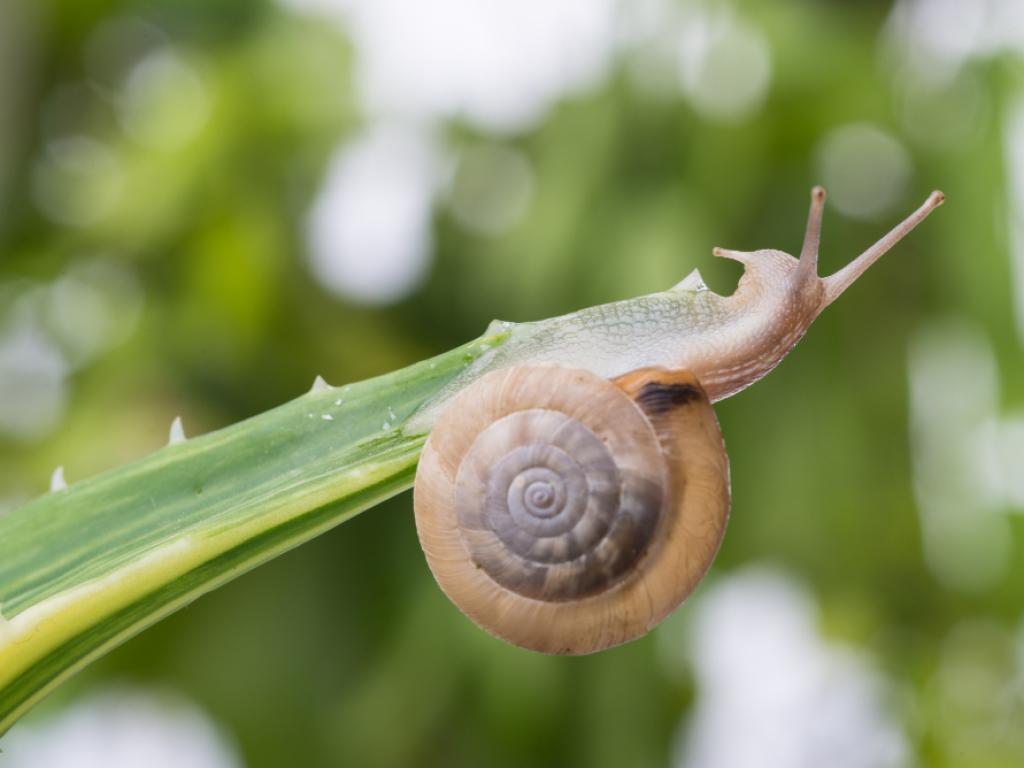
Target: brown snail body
point(575, 487)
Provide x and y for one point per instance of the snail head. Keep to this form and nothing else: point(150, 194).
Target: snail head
point(771, 273)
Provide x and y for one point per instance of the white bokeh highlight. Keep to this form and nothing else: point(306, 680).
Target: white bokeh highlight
point(121, 728)
point(369, 230)
point(724, 63)
point(49, 330)
point(33, 384)
point(966, 463)
point(773, 693)
point(866, 170)
point(499, 64)
point(934, 39)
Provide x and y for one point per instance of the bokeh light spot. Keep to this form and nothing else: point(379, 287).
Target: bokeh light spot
point(32, 383)
point(954, 395)
point(78, 181)
point(764, 671)
point(370, 227)
point(95, 305)
point(865, 170)
point(498, 64)
point(492, 188)
point(122, 728)
point(724, 65)
point(164, 102)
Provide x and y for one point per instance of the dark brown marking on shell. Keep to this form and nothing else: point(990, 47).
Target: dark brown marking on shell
point(659, 398)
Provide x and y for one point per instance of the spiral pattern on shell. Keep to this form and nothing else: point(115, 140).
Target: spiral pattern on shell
point(546, 511)
point(567, 513)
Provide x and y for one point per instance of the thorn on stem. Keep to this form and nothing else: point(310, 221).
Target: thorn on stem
point(57, 481)
point(177, 433)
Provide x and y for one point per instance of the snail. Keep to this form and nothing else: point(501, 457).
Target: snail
point(576, 490)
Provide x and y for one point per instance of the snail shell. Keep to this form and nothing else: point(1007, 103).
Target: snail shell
point(566, 513)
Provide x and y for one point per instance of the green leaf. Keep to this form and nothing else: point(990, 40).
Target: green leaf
point(85, 568)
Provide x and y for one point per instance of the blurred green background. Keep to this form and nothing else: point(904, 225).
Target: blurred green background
point(205, 204)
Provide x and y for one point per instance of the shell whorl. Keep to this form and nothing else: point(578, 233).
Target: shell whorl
point(545, 508)
point(566, 513)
